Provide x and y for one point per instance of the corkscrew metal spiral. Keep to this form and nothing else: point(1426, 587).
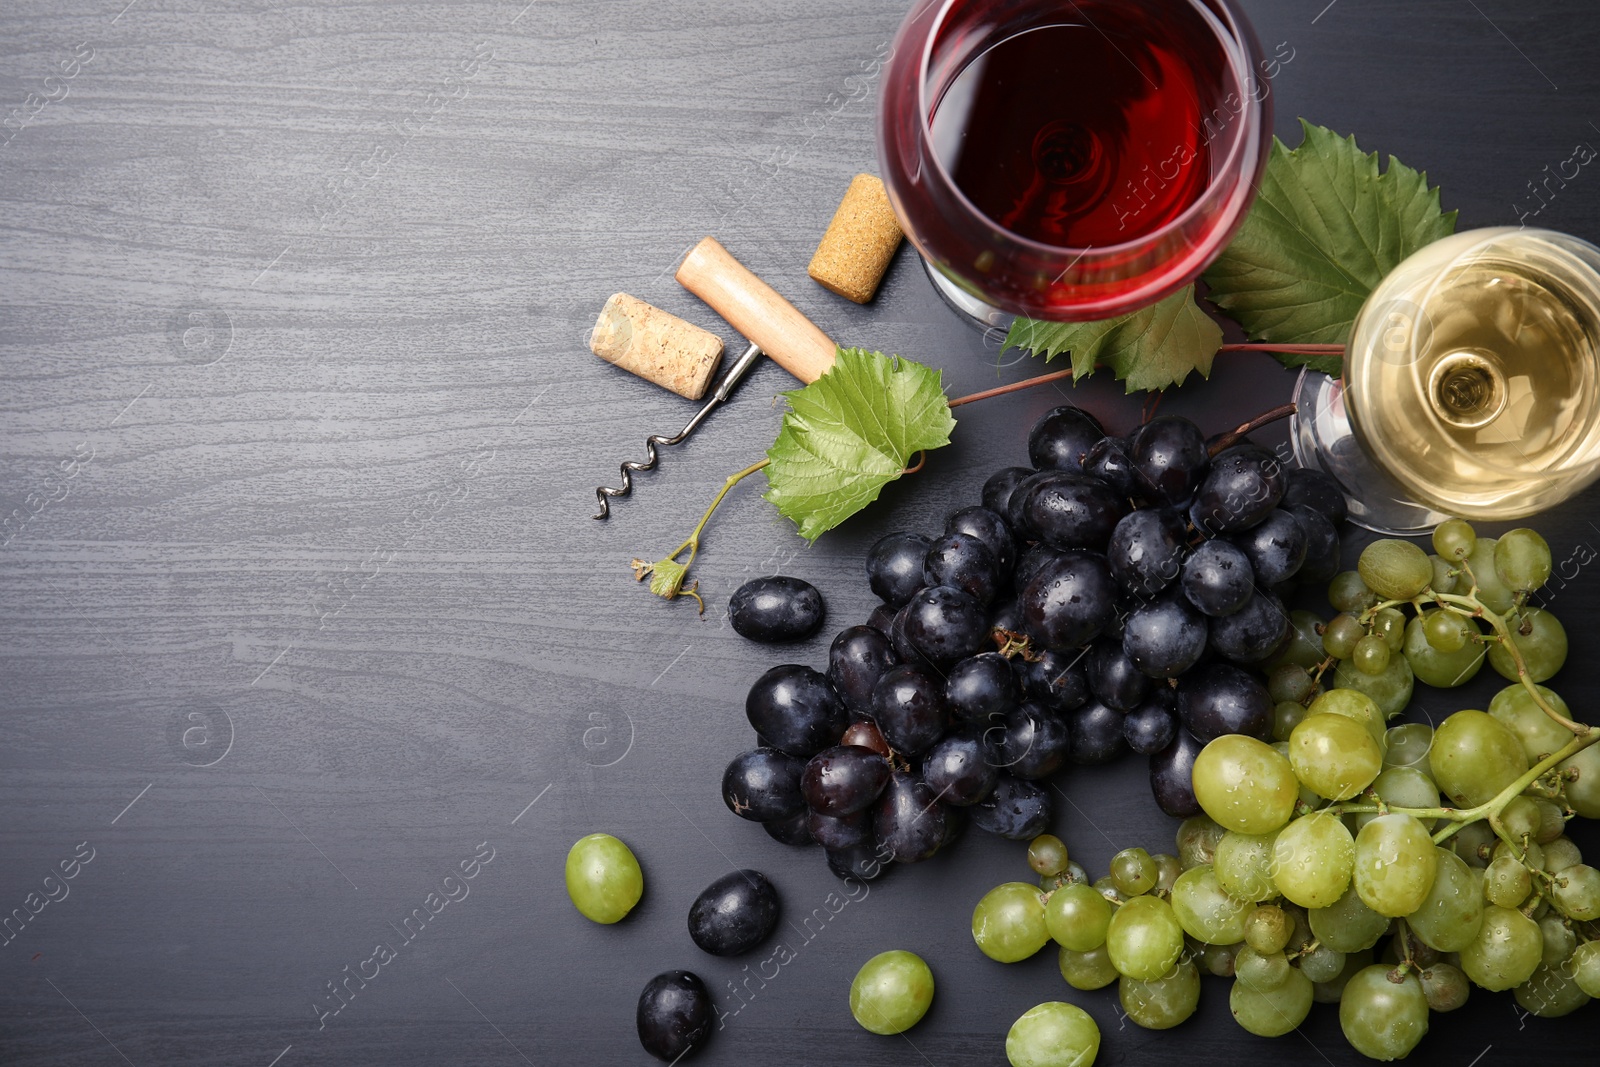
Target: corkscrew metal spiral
point(723, 390)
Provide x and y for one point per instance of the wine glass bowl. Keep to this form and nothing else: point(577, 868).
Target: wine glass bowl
point(1071, 159)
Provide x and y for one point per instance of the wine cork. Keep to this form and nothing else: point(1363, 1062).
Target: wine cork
point(656, 346)
point(859, 242)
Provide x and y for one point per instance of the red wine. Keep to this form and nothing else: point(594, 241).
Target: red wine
point(1081, 133)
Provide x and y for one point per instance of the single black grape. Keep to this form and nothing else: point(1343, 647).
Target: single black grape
point(1111, 461)
point(1164, 637)
point(836, 833)
point(794, 709)
point(855, 660)
point(1253, 634)
point(1146, 550)
point(791, 831)
point(775, 609)
point(1172, 776)
point(1030, 560)
point(1062, 437)
point(1016, 810)
point(882, 618)
point(946, 624)
point(1095, 734)
point(997, 490)
point(734, 914)
point(1151, 726)
point(1113, 677)
point(1219, 698)
point(1276, 547)
point(1069, 601)
point(1244, 484)
point(894, 567)
point(908, 820)
point(980, 686)
point(1169, 459)
point(674, 1015)
point(1322, 544)
point(1218, 579)
point(909, 706)
point(1317, 491)
point(989, 527)
point(1033, 743)
point(963, 562)
point(843, 779)
point(1058, 680)
point(1067, 510)
point(865, 862)
point(763, 785)
point(904, 650)
point(961, 768)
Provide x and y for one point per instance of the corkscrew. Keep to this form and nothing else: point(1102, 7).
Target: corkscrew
point(769, 322)
point(723, 389)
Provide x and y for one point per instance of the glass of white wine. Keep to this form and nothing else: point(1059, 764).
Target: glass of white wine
point(1470, 387)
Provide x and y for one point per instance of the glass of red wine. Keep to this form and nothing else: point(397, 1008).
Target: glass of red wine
point(1071, 159)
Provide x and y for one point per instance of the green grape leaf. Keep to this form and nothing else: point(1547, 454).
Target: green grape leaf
point(1325, 229)
point(1151, 348)
point(850, 433)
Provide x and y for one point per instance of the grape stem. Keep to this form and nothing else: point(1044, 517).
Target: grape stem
point(692, 543)
point(1227, 440)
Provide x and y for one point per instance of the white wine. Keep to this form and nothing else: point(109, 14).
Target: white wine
point(1473, 373)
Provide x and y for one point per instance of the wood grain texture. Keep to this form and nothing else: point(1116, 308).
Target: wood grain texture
point(294, 305)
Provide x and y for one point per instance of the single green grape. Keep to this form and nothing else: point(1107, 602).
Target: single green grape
point(1492, 592)
point(1445, 987)
point(1520, 818)
point(1445, 631)
point(1243, 865)
point(1352, 704)
point(1267, 928)
point(1274, 1012)
point(1395, 569)
point(1053, 1034)
point(1348, 593)
point(891, 992)
point(1539, 733)
point(1008, 923)
point(1542, 642)
point(1107, 887)
point(1133, 871)
point(1291, 682)
point(1507, 950)
point(1047, 854)
point(1371, 655)
point(1576, 892)
point(1197, 839)
point(603, 878)
point(1218, 959)
point(1445, 577)
point(1474, 757)
point(1453, 539)
point(1244, 785)
point(1408, 745)
point(1087, 970)
point(1167, 870)
point(1559, 854)
point(1077, 917)
point(1342, 634)
point(1395, 865)
point(1165, 1002)
point(1390, 625)
point(1313, 856)
point(1559, 941)
point(1334, 756)
point(1391, 690)
point(1261, 971)
point(1383, 1013)
point(1347, 924)
point(1330, 991)
point(1550, 992)
point(1450, 915)
point(1435, 666)
point(1522, 560)
point(1582, 772)
point(1586, 967)
point(1286, 715)
point(1552, 820)
point(1474, 843)
point(1144, 938)
point(1205, 910)
point(1322, 964)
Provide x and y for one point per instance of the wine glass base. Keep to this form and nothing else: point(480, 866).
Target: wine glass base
point(1324, 440)
point(976, 313)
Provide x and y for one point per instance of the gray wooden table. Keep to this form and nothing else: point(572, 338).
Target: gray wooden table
point(302, 614)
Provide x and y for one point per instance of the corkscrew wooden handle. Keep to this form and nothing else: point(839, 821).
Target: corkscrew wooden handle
point(755, 309)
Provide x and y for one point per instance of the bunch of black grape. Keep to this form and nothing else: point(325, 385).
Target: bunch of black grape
point(1113, 596)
